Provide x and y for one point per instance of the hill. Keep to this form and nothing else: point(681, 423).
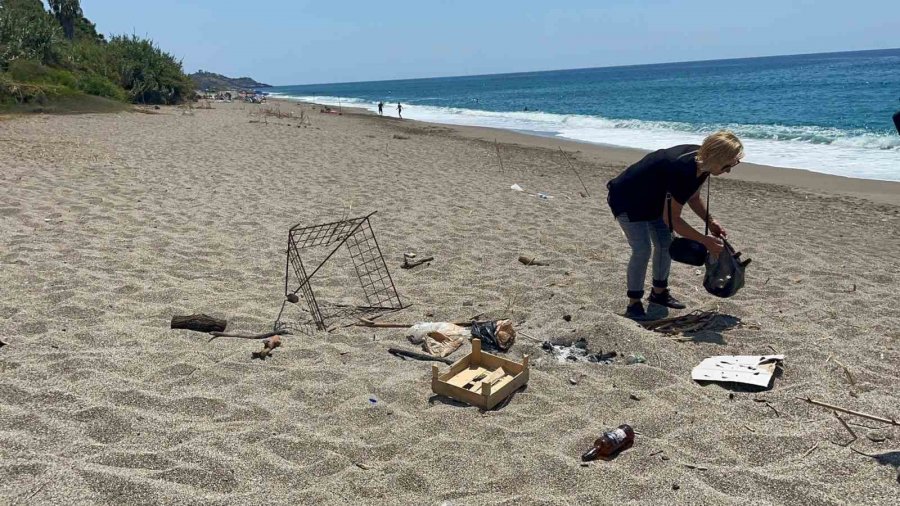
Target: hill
point(212, 81)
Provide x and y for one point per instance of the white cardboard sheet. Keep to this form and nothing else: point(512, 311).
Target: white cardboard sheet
point(749, 369)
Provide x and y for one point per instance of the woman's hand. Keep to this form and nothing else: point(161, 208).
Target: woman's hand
point(716, 228)
point(714, 246)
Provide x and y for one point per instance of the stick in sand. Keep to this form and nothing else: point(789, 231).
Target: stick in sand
point(246, 336)
point(497, 147)
point(418, 356)
point(531, 261)
point(849, 411)
point(855, 437)
point(586, 194)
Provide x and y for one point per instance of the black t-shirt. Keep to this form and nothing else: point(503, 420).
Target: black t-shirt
point(640, 190)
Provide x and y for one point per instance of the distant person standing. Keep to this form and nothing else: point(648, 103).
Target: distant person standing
point(381, 108)
point(399, 110)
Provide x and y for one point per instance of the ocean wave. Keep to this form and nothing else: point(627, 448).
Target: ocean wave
point(852, 153)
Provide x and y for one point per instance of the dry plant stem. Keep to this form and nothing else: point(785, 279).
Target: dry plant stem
point(364, 322)
point(849, 411)
point(810, 451)
point(586, 193)
point(528, 336)
point(500, 158)
point(846, 371)
point(246, 336)
point(855, 437)
point(692, 322)
point(864, 453)
point(531, 261)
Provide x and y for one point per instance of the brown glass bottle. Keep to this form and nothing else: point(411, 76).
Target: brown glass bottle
point(610, 443)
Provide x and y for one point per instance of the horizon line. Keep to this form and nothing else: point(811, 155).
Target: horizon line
point(521, 72)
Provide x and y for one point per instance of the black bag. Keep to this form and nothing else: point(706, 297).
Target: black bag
point(725, 275)
point(682, 249)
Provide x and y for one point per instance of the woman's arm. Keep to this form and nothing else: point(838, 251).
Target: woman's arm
point(697, 205)
point(684, 229)
point(699, 208)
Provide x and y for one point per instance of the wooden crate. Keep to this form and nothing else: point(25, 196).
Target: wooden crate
point(479, 378)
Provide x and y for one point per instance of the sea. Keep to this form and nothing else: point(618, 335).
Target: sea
point(828, 112)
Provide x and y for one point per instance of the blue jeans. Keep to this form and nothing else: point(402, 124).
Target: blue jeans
point(640, 235)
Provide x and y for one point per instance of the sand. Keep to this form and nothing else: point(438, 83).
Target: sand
point(112, 224)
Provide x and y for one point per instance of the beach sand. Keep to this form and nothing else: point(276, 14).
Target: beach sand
point(112, 224)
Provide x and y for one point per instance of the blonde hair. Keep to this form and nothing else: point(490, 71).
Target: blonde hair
point(720, 148)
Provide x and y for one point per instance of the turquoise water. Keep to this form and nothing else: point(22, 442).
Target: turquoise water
point(829, 113)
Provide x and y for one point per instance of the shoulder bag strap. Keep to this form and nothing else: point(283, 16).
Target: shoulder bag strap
point(706, 229)
point(669, 209)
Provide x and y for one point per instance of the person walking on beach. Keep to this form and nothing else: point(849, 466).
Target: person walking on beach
point(399, 110)
point(381, 108)
point(637, 198)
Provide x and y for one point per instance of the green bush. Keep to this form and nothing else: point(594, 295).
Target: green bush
point(40, 61)
point(27, 71)
point(100, 86)
point(92, 58)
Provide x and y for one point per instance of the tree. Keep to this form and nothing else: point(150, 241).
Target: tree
point(67, 12)
point(28, 32)
point(148, 74)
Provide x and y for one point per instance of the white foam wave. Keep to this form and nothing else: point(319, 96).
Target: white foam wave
point(858, 154)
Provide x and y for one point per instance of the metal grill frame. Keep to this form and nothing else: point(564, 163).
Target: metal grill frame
point(368, 262)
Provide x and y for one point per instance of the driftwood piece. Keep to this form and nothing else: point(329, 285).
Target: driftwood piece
point(199, 323)
point(268, 346)
point(409, 264)
point(531, 261)
point(418, 356)
point(850, 411)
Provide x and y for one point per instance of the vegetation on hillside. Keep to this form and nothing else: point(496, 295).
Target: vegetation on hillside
point(52, 55)
point(217, 82)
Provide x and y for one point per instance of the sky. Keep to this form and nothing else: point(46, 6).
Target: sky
point(283, 42)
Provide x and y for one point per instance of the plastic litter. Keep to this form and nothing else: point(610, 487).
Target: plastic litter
point(499, 335)
point(439, 339)
point(635, 358)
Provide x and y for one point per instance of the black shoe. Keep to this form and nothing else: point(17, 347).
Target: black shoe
point(665, 299)
point(635, 311)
